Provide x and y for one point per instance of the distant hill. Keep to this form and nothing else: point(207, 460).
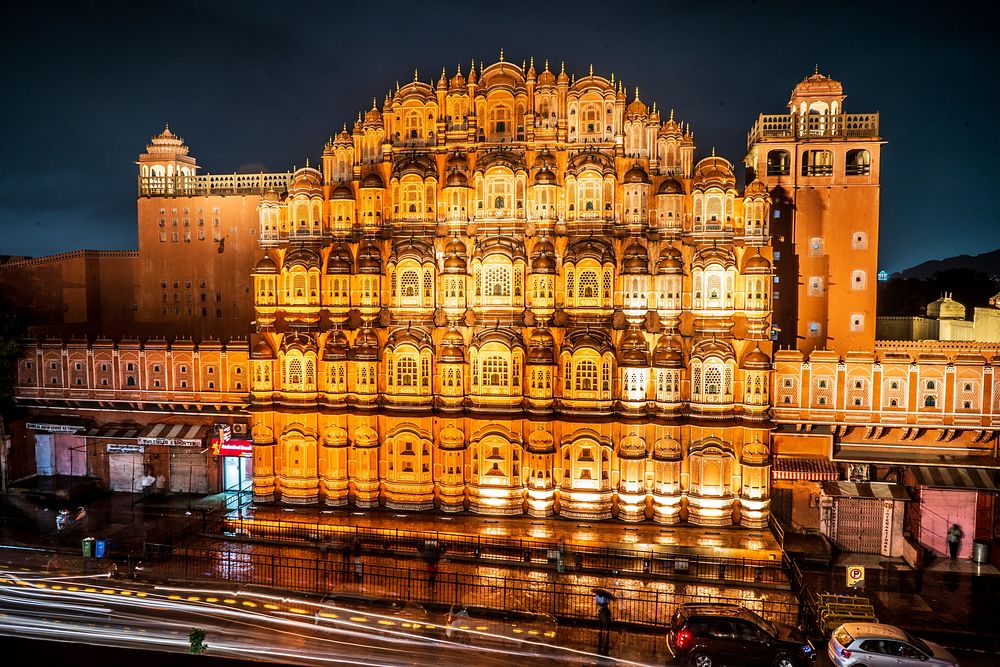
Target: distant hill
point(988, 263)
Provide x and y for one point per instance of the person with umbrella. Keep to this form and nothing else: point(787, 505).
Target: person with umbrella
point(603, 597)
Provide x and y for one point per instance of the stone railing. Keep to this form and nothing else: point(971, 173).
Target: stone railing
point(212, 184)
point(792, 126)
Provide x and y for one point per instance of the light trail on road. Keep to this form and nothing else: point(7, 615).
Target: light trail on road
point(250, 625)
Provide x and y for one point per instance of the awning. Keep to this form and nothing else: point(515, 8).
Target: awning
point(182, 435)
point(814, 470)
point(866, 490)
point(895, 454)
point(955, 478)
point(115, 432)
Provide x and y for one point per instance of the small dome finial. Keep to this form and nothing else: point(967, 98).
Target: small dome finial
point(459, 69)
point(713, 151)
point(671, 114)
point(532, 61)
point(415, 74)
point(637, 93)
point(501, 54)
point(591, 69)
point(816, 69)
point(546, 64)
point(562, 69)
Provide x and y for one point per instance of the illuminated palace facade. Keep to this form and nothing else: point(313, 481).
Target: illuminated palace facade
point(517, 292)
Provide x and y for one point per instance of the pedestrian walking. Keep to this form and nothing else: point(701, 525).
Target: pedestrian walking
point(431, 553)
point(358, 571)
point(346, 552)
point(561, 556)
point(603, 598)
point(955, 536)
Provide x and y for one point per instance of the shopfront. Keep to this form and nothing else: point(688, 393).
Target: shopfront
point(60, 447)
point(951, 495)
point(864, 517)
point(236, 454)
point(175, 455)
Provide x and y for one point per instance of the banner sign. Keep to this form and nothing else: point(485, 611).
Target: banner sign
point(55, 428)
point(231, 447)
point(170, 442)
point(125, 449)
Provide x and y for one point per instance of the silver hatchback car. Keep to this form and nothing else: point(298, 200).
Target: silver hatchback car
point(880, 645)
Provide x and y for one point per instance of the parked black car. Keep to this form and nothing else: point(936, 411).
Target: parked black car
point(709, 635)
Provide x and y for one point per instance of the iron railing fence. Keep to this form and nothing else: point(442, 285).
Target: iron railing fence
point(651, 563)
point(566, 600)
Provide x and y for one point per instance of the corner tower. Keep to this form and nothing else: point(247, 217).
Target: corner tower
point(821, 167)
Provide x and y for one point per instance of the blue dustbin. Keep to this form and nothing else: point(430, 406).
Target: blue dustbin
point(100, 548)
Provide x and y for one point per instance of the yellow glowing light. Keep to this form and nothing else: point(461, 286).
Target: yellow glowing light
point(108, 591)
point(481, 628)
point(142, 595)
point(40, 585)
point(272, 607)
point(247, 603)
point(194, 598)
point(517, 631)
point(550, 634)
point(227, 600)
point(57, 587)
point(407, 625)
point(386, 621)
point(532, 632)
point(416, 626)
point(206, 599)
point(326, 614)
point(89, 590)
point(126, 593)
point(73, 588)
point(296, 610)
point(359, 619)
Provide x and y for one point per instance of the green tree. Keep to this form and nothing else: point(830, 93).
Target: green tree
point(197, 639)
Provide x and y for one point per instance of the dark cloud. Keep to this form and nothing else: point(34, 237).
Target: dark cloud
point(260, 86)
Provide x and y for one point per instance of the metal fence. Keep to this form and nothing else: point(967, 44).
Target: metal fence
point(647, 563)
point(570, 598)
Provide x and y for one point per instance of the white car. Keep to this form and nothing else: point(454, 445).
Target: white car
point(880, 645)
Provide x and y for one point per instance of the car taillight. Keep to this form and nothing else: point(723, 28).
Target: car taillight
point(844, 652)
point(684, 638)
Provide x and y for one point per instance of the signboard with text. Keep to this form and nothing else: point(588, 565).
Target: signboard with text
point(231, 447)
point(125, 449)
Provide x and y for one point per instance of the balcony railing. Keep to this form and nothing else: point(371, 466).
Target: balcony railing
point(212, 184)
point(792, 126)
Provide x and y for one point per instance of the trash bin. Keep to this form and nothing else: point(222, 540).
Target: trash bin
point(980, 551)
point(87, 545)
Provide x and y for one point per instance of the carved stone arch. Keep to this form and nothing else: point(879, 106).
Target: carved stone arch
point(632, 446)
point(452, 438)
point(365, 436)
point(668, 449)
point(262, 434)
point(334, 436)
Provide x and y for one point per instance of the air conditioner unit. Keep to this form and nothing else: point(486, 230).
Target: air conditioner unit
point(241, 429)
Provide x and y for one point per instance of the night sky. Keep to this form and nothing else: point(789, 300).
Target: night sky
point(260, 86)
